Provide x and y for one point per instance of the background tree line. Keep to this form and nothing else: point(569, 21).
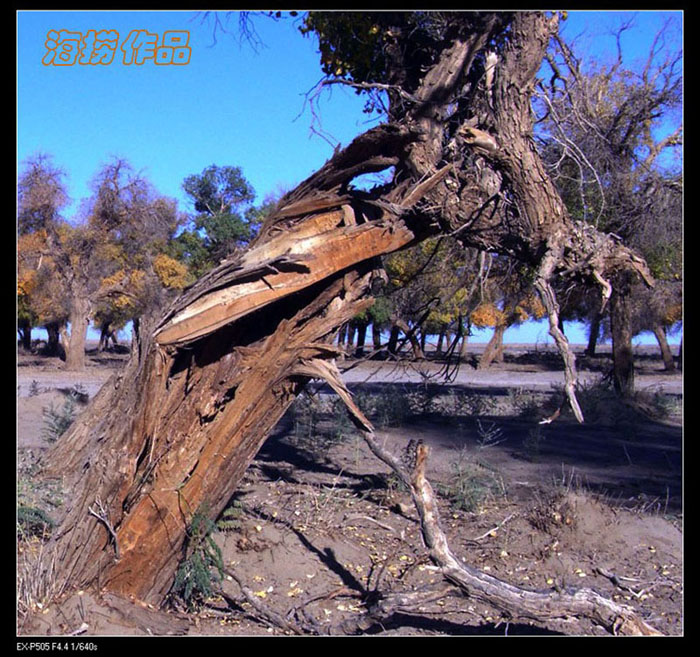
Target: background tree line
point(609, 134)
point(124, 254)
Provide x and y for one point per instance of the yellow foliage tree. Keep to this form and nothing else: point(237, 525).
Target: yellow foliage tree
point(172, 273)
point(102, 261)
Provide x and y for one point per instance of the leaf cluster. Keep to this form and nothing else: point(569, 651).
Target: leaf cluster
point(389, 48)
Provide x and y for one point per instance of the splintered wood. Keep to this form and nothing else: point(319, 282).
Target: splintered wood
point(328, 244)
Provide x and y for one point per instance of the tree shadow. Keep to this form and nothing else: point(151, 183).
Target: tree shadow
point(443, 626)
point(619, 453)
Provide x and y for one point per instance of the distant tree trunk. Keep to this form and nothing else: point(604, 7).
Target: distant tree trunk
point(376, 336)
point(463, 337)
point(342, 335)
point(361, 337)
point(464, 347)
point(680, 355)
point(53, 345)
point(350, 337)
point(493, 353)
point(107, 333)
point(410, 334)
point(394, 334)
point(25, 335)
point(666, 355)
point(64, 337)
point(620, 324)
point(441, 339)
point(79, 321)
point(593, 333)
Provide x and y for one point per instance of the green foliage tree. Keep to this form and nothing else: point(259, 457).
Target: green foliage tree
point(224, 218)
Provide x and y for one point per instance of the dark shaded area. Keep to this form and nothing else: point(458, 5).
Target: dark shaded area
point(282, 459)
point(443, 626)
point(629, 462)
point(620, 453)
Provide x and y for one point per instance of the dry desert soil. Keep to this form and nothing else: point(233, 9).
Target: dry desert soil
point(319, 524)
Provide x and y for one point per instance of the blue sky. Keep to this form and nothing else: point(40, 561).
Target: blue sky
point(231, 104)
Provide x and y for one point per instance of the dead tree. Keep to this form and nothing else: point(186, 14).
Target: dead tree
point(175, 432)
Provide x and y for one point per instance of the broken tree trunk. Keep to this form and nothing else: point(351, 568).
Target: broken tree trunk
point(179, 439)
point(175, 432)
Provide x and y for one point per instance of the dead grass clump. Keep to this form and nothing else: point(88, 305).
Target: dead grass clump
point(552, 512)
point(472, 483)
point(37, 583)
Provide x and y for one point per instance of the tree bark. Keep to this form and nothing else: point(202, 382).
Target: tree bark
point(79, 320)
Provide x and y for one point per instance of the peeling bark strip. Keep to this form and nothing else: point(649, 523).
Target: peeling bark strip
point(205, 385)
point(314, 258)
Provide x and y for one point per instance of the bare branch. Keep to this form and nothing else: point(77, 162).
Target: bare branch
point(546, 292)
point(103, 516)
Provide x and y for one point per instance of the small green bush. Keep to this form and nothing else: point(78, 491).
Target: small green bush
point(194, 577)
point(33, 521)
point(230, 519)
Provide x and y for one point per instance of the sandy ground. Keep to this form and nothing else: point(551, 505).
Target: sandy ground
point(318, 523)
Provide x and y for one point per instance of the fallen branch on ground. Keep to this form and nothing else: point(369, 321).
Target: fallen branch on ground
point(535, 605)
